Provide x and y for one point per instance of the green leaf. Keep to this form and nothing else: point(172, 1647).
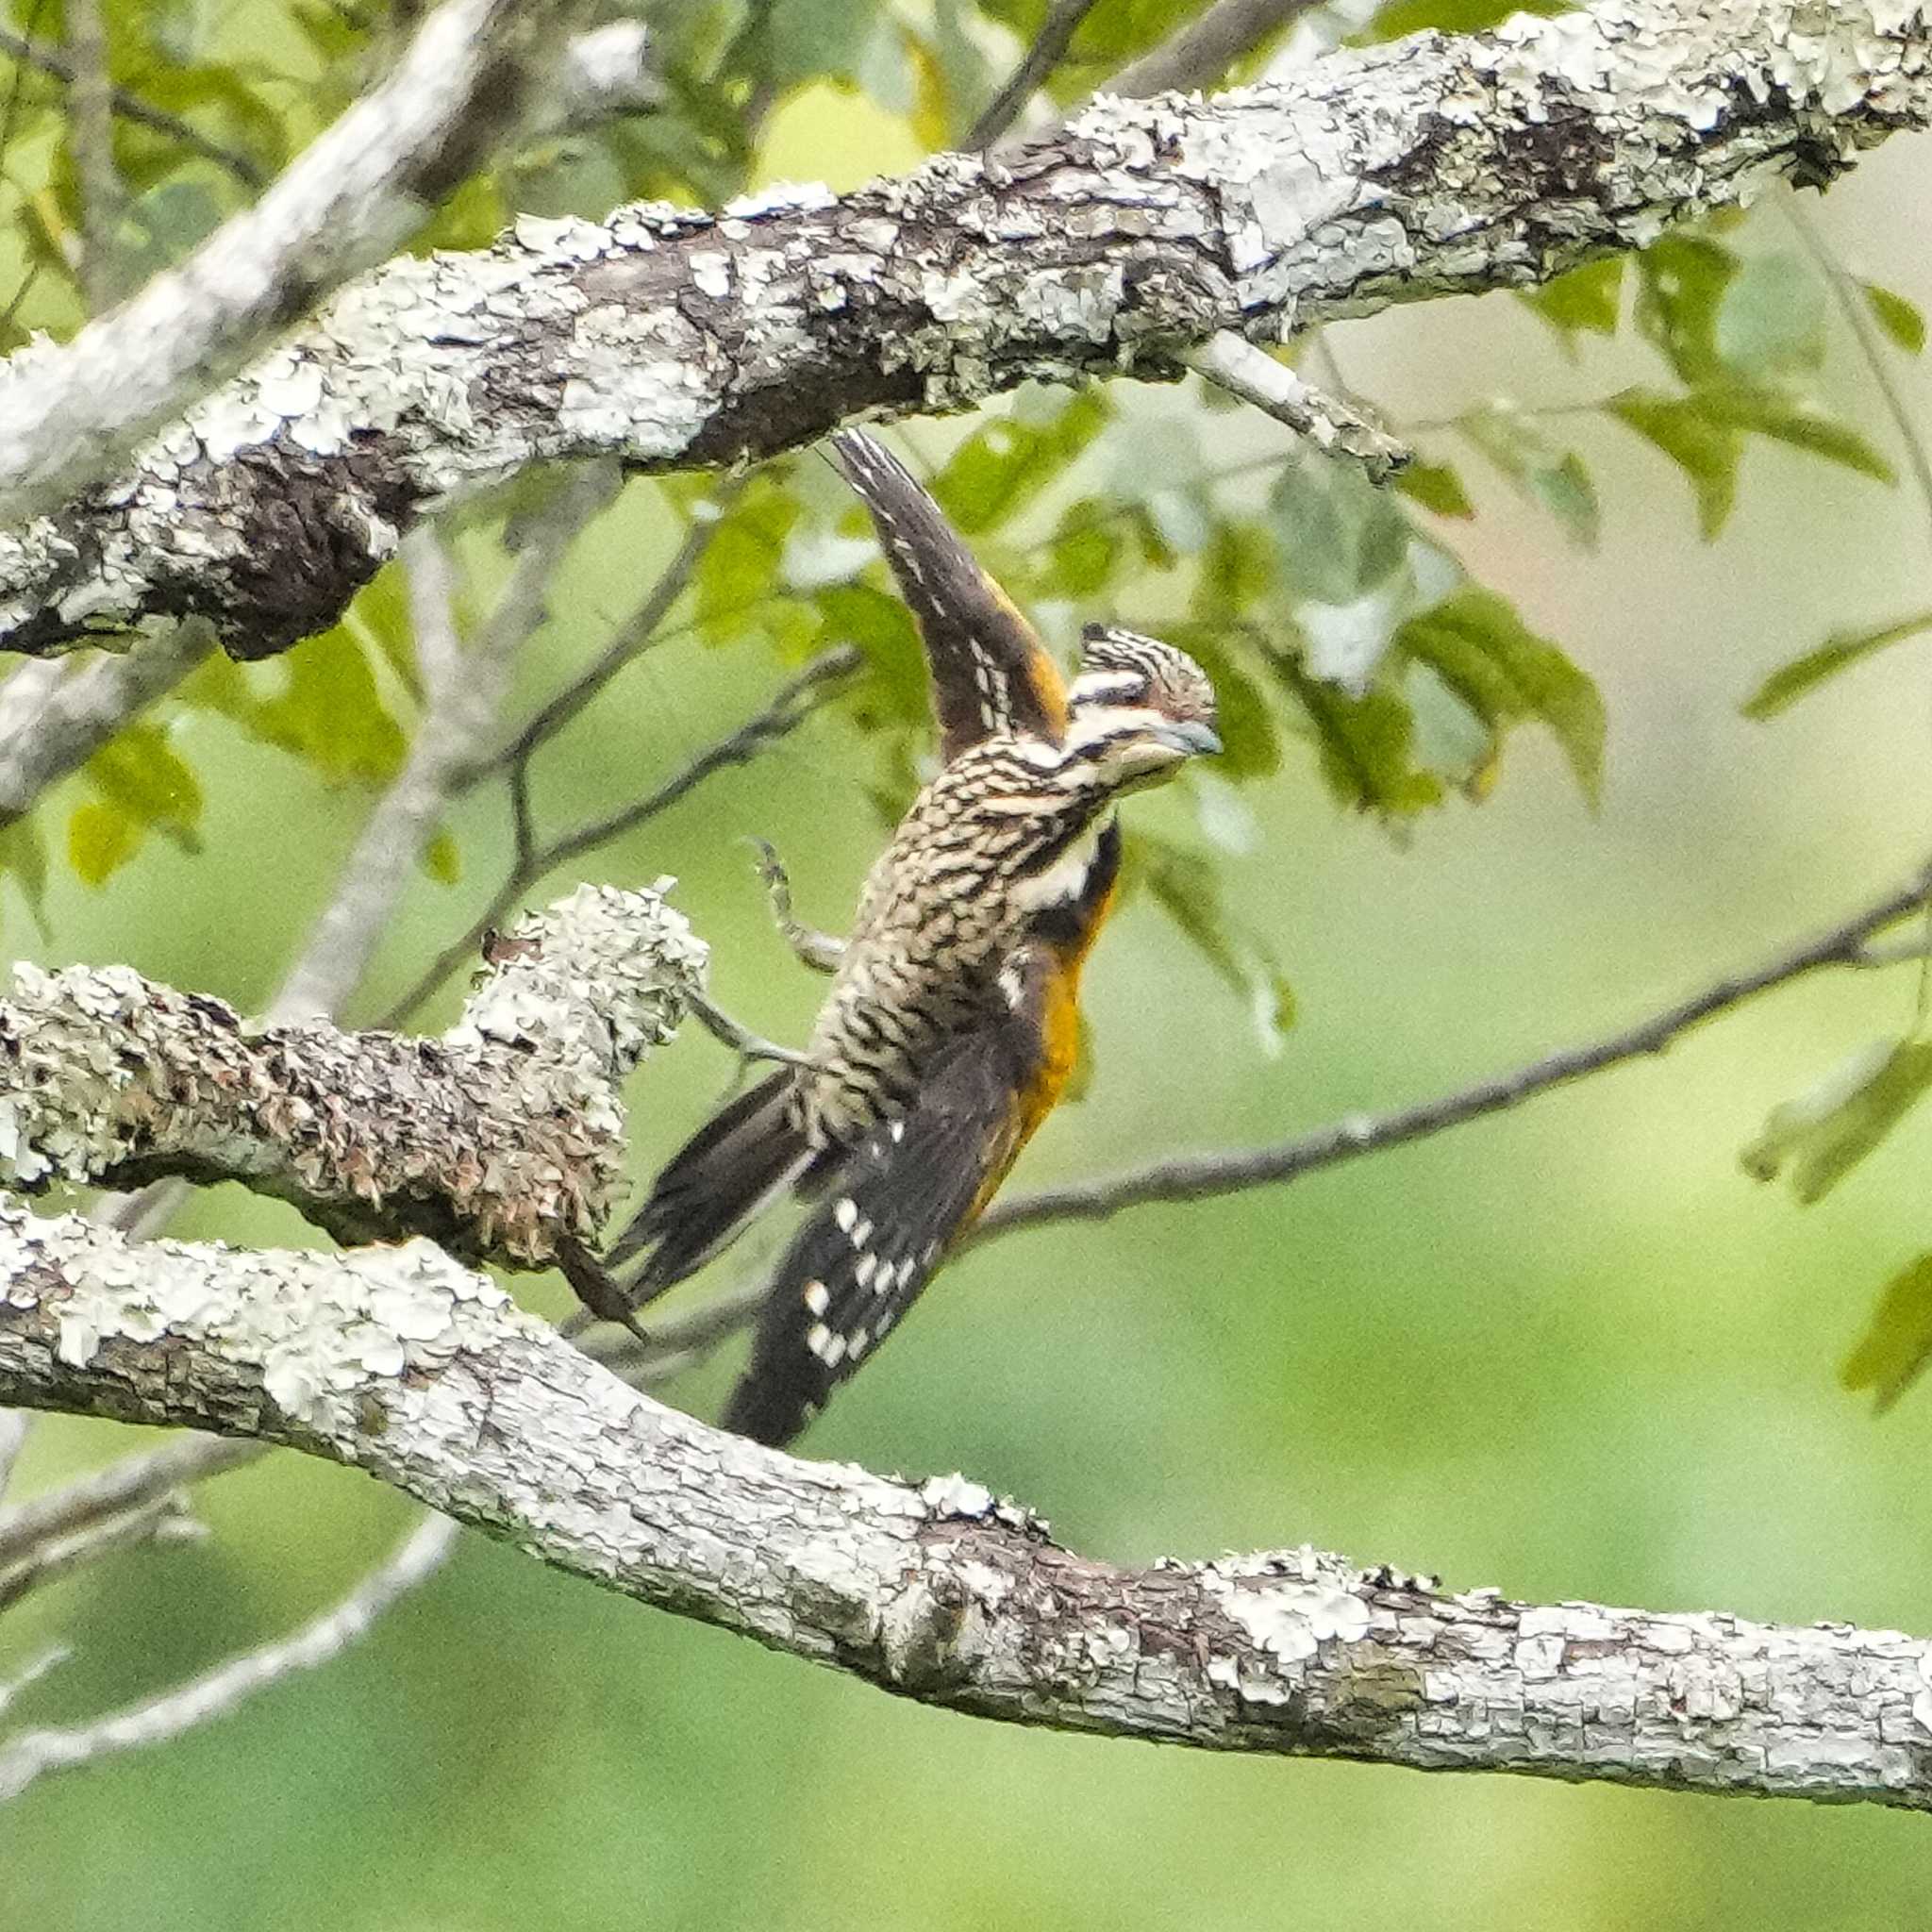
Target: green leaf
point(1009, 460)
point(139, 774)
point(1401, 18)
point(1705, 450)
point(1367, 745)
point(1084, 554)
point(1337, 536)
point(1251, 744)
point(1237, 573)
point(1681, 282)
point(1504, 671)
point(1821, 1135)
point(328, 712)
point(1585, 299)
point(740, 565)
point(1787, 418)
point(1899, 319)
point(24, 857)
point(101, 838)
point(1891, 1353)
point(441, 860)
point(883, 628)
point(806, 37)
point(1436, 487)
point(1188, 892)
point(1771, 318)
point(1839, 652)
point(1553, 478)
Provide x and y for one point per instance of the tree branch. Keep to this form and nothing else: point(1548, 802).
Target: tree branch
point(398, 1362)
point(502, 1140)
point(130, 106)
point(216, 1692)
point(51, 721)
point(795, 701)
point(1206, 47)
point(1196, 1176)
point(676, 340)
point(68, 414)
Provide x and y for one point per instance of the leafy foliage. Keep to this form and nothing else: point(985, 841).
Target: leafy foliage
point(1891, 1353)
point(1821, 1135)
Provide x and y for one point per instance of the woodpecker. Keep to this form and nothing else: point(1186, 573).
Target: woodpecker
point(948, 1032)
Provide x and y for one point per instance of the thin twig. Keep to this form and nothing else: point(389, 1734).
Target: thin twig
point(51, 724)
point(132, 1483)
point(634, 636)
point(36, 1668)
point(14, 1424)
point(462, 709)
point(130, 106)
point(74, 414)
point(1206, 47)
point(1851, 304)
point(1232, 363)
point(1050, 43)
point(52, 1561)
point(217, 1691)
point(90, 138)
point(1194, 1177)
point(793, 703)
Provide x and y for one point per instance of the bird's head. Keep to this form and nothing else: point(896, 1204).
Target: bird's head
point(1139, 709)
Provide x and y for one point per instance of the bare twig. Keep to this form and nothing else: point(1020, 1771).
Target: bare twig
point(1235, 364)
point(426, 1377)
point(52, 723)
point(1049, 44)
point(14, 1424)
point(218, 1692)
point(1195, 1176)
point(462, 712)
point(69, 414)
point(132, 1483)
point(1206, 47)
point(130, 106)
point(59, 1557)
point(35, 1669)
point(91, 136)
point(794, 702)
point(635, 636)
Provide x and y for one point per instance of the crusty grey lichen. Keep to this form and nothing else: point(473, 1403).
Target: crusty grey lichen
point(499, 1140)
point(675, 340)
point(402, 1363)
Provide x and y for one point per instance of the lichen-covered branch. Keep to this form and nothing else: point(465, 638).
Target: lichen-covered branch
point(399, 1362)
point(675, 338)
point(502, 1140)
point(464, 81)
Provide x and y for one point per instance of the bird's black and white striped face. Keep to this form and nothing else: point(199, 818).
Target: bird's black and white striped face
point(1139, 709)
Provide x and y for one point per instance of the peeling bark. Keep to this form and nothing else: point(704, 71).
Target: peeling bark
point(504, 1139)
point(673, 339)
point(401, 1363)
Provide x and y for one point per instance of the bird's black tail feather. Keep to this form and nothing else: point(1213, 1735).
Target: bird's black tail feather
point(713, 1187)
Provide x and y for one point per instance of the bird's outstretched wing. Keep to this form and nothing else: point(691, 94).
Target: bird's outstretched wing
point(883, 1226)
point(989, 670)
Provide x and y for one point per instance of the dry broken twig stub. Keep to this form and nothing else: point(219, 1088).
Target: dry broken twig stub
point(675, 339)
point(401, 1363)
point(500, 1140)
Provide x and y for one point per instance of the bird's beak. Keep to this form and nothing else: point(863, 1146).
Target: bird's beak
point(1191, 738)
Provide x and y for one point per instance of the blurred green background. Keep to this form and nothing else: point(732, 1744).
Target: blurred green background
point(1571, 1352)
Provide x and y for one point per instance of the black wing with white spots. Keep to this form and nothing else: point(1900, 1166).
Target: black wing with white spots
point(881, 1228)
point(989, 671)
